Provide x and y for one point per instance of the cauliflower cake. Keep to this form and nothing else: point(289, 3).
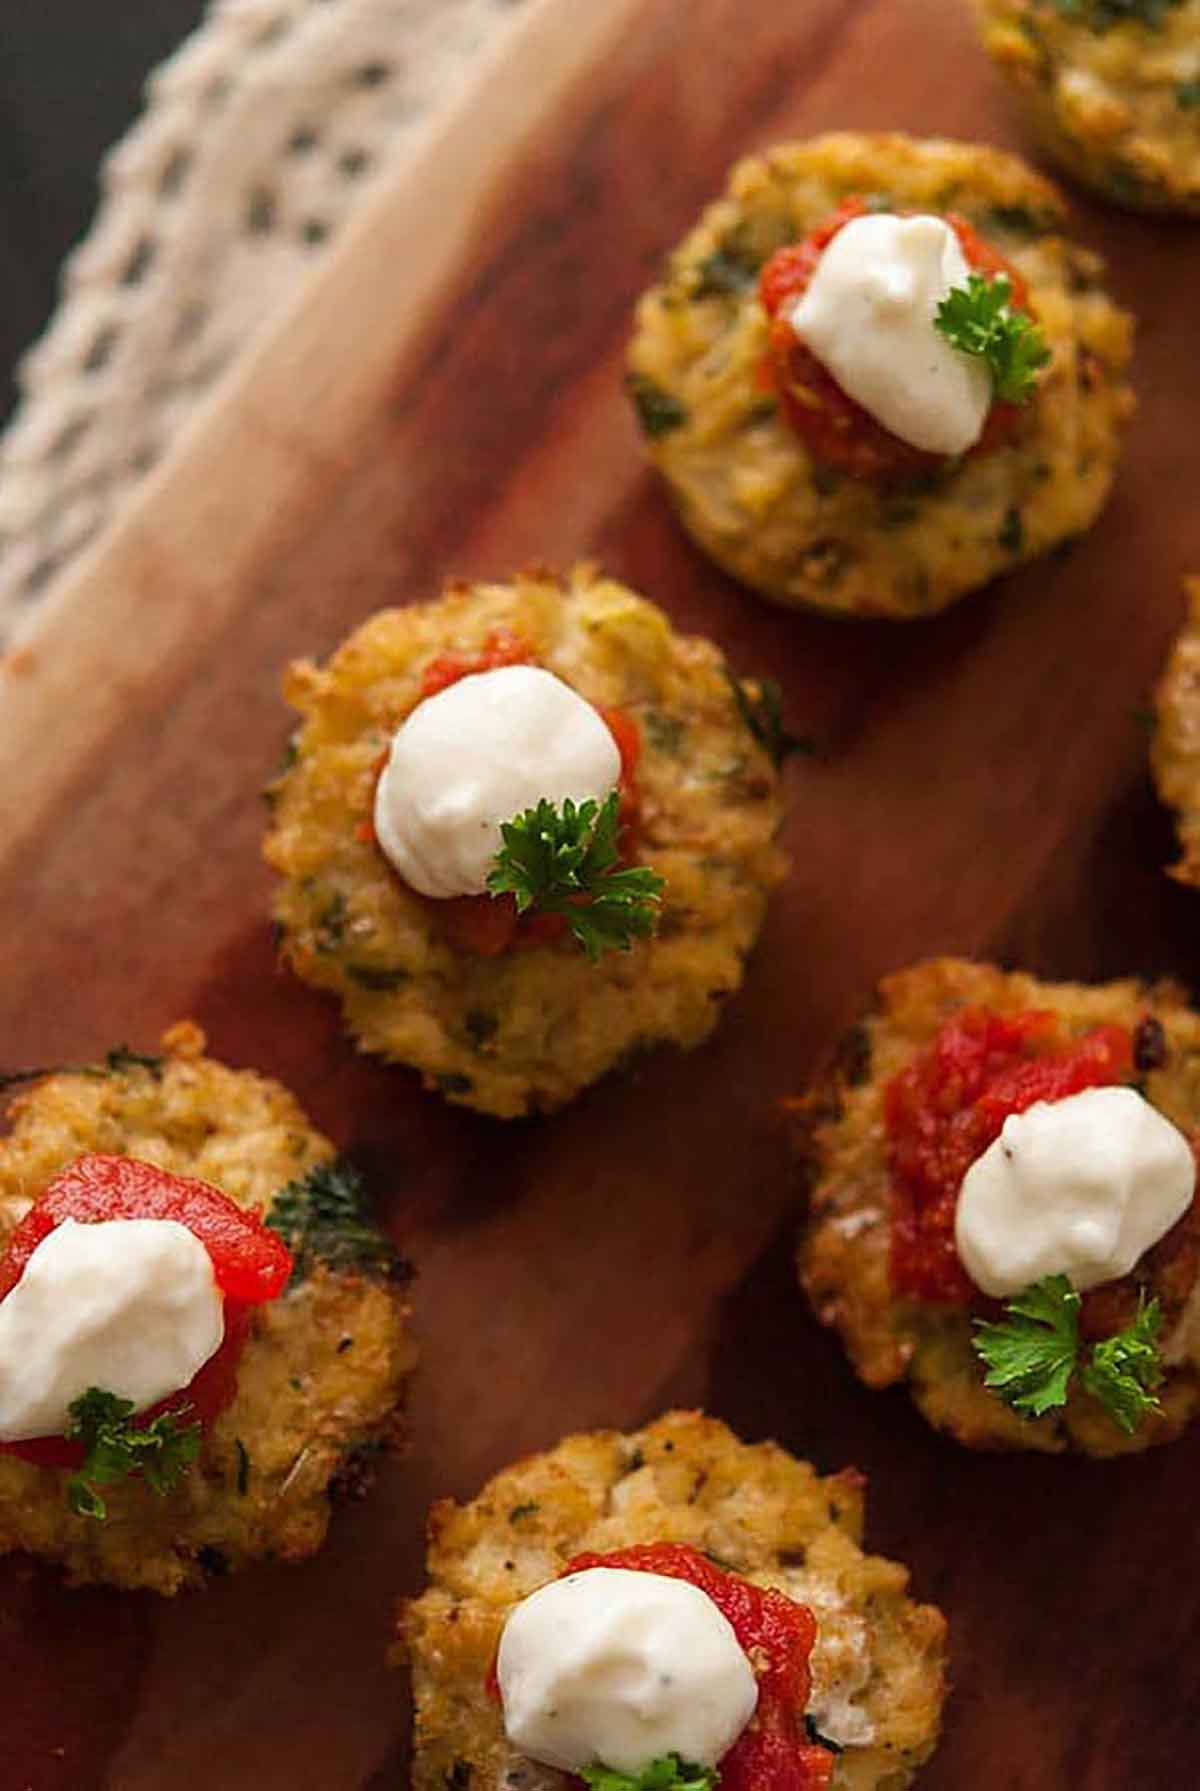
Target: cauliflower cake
point(848, 1252)
point(1113, 87)
point(1175, 755)
point(524, 1029)
point(878, 1664)
point(322, 1374)
point(743, 480)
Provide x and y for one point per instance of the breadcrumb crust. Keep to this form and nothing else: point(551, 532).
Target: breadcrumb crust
point(843, 1256)
point(1175, 752)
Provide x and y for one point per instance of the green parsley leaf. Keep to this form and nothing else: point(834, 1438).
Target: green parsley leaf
point(760, 705)
point(1022, 220)
point(1031, 1355)
point(668, 1774)
point(664, 732)
point(1100, 15)
point(977, 319)
point(562, 863)
point(15, 1078)
point(726, 272)
point(325, 1217)
point(380, 979)
point(160, 1452)
point(117, 1062)
point(120, 1060)
point(658, 411)
point(1125, 1370)
point(1012, 531)
point(329, 922)
point(481, 1026)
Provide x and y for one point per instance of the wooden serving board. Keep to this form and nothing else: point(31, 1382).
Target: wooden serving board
point(447, 399)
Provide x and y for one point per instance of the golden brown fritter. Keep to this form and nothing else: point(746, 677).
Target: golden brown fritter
point(745, 485)
point(322, 1374)
point(844, 1252)
point(527, 1030)
point(1175, 755)
point(878, 1665)
point(1117, 100)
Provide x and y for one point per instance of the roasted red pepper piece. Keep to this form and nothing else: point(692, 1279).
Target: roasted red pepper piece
point(251, 1265)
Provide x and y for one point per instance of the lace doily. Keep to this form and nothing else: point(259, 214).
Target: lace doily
point(259, 136)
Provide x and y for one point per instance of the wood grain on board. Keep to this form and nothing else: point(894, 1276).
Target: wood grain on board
point(447, 400)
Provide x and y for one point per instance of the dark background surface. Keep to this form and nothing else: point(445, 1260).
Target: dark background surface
point(71, 74)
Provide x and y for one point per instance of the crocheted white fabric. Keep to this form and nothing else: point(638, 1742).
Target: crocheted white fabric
point(259, 137)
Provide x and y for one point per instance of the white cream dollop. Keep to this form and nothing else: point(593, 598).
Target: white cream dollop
point(476, 754)
point(129, 1305)
point(1080, 1187)
point(868, 316)
point(616, 1668)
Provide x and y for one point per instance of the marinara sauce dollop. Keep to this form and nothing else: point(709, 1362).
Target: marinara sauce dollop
point(251, 1265)
point(773, 1752)
point(486, 925)
point(943, 1110)
point(835, 429)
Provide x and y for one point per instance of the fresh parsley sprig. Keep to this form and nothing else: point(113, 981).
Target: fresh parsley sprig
point(1126, 1370)
point(325, 1216)
point(1032, 1355)
point(670, 1773)
point(658, 411)
point(978, 319)
point(562, 862)
point(161, 1451)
